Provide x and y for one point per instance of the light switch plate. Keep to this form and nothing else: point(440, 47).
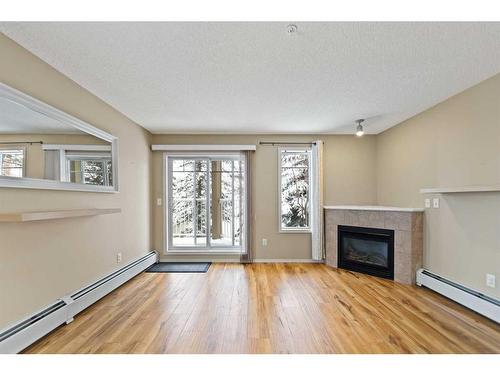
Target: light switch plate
point(264, 242)
point(435, 202)
point(490, 280)
point(158, 201)
point(427, 203)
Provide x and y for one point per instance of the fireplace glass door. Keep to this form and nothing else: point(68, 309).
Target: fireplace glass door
point(367, 250)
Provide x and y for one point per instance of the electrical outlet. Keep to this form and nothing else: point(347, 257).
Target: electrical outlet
point(490, 280)
point(118, 257)
point(427, 203)
point(158, 201)
point(264, 242)
point(435, 202)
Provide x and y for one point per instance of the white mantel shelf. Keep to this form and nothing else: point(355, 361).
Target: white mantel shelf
point(20, 217)
point(462, 189)
point(374, 208)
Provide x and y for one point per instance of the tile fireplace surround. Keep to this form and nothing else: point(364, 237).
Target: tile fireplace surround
point(407, 224)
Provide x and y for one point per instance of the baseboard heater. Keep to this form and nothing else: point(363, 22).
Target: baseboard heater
point(484, 305)
point(22, 334)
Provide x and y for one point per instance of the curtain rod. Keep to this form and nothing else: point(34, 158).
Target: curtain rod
point(19, 143)
point(286, 143)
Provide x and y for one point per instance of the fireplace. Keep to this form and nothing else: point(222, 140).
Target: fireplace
point(366, 250)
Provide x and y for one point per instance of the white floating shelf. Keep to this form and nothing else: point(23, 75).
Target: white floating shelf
point(20, 217)
point(461, 189)
point(374, 208)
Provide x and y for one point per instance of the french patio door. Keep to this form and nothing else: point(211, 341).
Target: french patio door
point(205, 211)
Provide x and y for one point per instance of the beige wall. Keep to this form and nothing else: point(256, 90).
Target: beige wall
point(42, 261)
point(349, 179)
point(455, 143)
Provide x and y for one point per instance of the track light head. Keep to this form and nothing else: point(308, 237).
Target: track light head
point(359, 128)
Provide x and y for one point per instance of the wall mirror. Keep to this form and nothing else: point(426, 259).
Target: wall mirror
point(42, 147)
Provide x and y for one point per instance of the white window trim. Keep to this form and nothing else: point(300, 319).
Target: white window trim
point(168, 249)
point(189, 148)
point(292, 230)
point(53, 147)
point(15, 147)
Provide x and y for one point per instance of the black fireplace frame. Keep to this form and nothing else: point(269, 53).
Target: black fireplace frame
point(376, 234)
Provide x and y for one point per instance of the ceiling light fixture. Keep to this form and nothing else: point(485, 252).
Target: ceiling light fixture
point(359, 128)
point(291, 28)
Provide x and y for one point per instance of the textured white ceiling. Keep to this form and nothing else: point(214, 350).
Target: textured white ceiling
point(255, 77)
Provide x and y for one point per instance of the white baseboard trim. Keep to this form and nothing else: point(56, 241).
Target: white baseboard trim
point(20, 335)
point(484, 305)
point(198, 260)
point(264, 260)
point(259, 260)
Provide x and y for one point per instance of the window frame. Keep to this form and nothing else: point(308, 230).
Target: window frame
point(15, 147)
point(307, 229)
point(68, 158)
point(208, 249)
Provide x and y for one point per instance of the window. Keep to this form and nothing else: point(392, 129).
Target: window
point(12, 162)
point(89, 169)
point(294, 181)
point(204, 195)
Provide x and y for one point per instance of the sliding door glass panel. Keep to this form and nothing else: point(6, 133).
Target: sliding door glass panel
point(237, 203)
point(182, 207)
point(217, 205)
point(200, 191)
point(205, 203)
point(225, 207)
point(189, 202)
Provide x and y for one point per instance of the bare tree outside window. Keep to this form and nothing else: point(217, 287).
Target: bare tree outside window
point(83, 170)
point(294, 189)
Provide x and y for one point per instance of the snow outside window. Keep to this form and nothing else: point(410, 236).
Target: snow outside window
point(294, 189)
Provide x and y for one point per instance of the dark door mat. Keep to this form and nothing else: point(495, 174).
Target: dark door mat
point(180, 267)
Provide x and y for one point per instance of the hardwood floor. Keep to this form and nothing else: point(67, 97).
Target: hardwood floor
point(272, 308)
